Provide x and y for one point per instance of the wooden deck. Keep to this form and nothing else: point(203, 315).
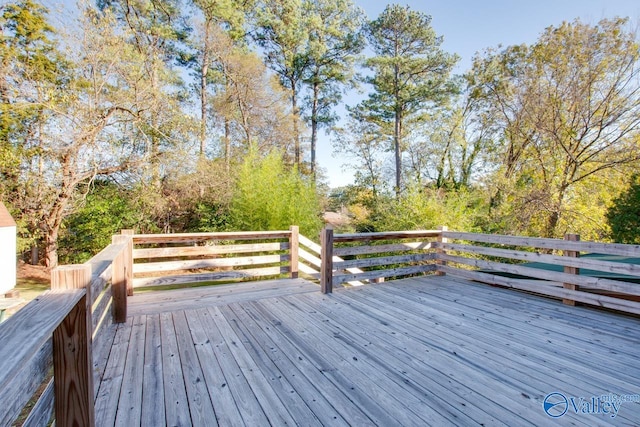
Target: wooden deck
point(432, 351)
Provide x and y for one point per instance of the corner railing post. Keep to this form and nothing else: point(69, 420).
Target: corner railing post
point(120, 271)
point(571, 270)
point(294, 245)
point(72, 359)
point(326, 256)
point(129, 260)
point(440, 251)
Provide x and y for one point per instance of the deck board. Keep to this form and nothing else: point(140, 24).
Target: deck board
point(428, 351)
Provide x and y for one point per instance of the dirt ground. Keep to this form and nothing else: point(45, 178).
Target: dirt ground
point(33, 272)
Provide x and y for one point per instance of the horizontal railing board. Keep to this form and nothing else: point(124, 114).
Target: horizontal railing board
point(586, 263)
point(591, 282)
point(187, 251)
point(378, 261)
point(543, 243)
point(310, 258)
point(200, 237)
point(309, 271)
point(309, 244)
point(100, 308)
point(208, 263)
point(26, 379)
point(389, 235)
point(42, 411)
point(207, 277)
point(368, 275)
point(23, 337)
point(364, 250)
point(540, 288)
point(101, 268)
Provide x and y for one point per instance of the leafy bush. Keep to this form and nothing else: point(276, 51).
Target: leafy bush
point(105, 211)
point(268, 196)
point(624, 215)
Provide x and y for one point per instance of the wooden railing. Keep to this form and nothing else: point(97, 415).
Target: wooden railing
point(69, 328)
point(493, 259)
point(183, 258)
point(395, 254)
point(498, 260)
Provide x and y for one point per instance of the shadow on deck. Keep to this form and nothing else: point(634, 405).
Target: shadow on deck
point(419, 351)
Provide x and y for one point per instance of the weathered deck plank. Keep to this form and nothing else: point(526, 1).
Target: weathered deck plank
point(420, 351)
point(129, 410)
point(175, 393)
point(245, 400)
point(209, 296)
point(153, 409)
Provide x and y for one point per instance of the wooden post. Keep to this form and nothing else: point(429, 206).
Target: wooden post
point(72, 359)
point(326, 257)
point(294, 244)
point(129, 260)
point(440, 251)
point(571, 270)
point(119, 287)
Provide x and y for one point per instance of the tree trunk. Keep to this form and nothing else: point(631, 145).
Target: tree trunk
point(203, 89)
point(397, 152)
point(397, 131)
point(296, 129)
point(227, 144)
point(314, 127)
point(35, 255)
point(554, 216)
point(51, 247)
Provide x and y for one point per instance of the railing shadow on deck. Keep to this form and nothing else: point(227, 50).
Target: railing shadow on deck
point(71, 327)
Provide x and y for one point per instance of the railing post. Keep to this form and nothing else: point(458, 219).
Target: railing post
point(326, 257)
point(72, 359)
point(129, 260)
point(294, 244)
point(120, 270)
point(440, 251)
point(571, 270)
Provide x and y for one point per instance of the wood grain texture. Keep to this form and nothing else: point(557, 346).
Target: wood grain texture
point(326, 270)
point(385, 260)
point(294, 245)
point(250, 273)
point(392, 272)
point(541, 288)
point(202, 237)
point(425, 350)
point(376, 249)
point(543, 243)
point(152, 267)
point(119, 288)
point(388, 235)
point(575, 262)
point(26, 347)
point(196, 251)
point(72, 368)
point(570, 269)
point(42, 412)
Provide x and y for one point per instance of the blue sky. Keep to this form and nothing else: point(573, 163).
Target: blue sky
point(470, 26)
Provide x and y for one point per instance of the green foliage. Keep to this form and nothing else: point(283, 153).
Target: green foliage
point(566, 111)
point(411, 73)
point(106, 210)
point(268, 196)
point(624, 215)
point(424, 208)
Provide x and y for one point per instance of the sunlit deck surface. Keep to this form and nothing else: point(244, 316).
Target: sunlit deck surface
point(430, 351)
